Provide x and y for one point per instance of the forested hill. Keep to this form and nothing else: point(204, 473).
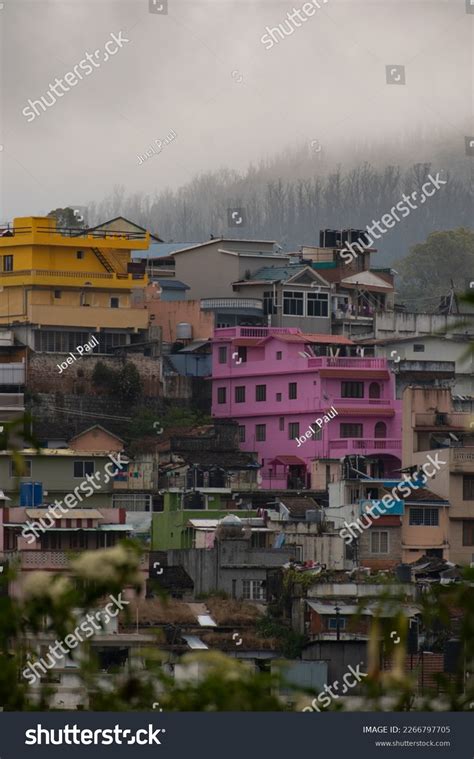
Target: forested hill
point(294, 195)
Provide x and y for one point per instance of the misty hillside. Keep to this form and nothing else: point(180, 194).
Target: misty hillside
point(293, 195)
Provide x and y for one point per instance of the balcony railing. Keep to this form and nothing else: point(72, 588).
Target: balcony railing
point(231, 303)
point(84, 275)
point(330, 362)
point(50, 559)
point(361, 402)
point(363, 444)
point(12, 401)
point(443, 420)
point(101, 234)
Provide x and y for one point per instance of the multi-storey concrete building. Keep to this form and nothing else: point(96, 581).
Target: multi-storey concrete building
point(304, 401)
point(432, 429)
point(61, 285)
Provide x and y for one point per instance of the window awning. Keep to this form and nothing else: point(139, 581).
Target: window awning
point(288, 461)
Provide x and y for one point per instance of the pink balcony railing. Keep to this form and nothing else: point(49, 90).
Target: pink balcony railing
point(50, 559)
point(364, 444)
point(329, 362)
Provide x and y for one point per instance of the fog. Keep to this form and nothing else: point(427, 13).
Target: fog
point(201, 70)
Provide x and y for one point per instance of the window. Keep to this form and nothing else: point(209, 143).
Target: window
point(374, 390)
point(241, 433)
point(56, 341)
point(241, 354)
point(468, 533)
point(468, 487)
point(418, 348)
point(223, 354)
point(240, 394)
point(352, 389)
point(79, 254)
point(316, 435)
point(380, 429)
point(293, 303)
point(379, 541)
point(57, 294)
point(279, 355)
point(253, 590)
point(114, 303)
point(269, 306)
point(14, 472)
point(221, 395)
point(261, 432)
point(81, 468)
point(278, 397)
point(424, 517)
point(317, 304)
point(281, 423)
point(7, 263)
point(351, 430)
point(336, 622)
point(261, 393)
point(293, 430)
point(292, 390)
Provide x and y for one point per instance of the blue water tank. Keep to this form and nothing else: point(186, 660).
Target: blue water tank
point(31, 494)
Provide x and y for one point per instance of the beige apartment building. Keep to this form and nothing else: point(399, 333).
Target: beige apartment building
point(430, 427)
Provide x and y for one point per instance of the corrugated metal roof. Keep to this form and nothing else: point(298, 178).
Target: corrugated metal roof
point(169, 283)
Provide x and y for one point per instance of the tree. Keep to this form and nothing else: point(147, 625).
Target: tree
point(129, 384)
point(430, 266)
point(67, 218)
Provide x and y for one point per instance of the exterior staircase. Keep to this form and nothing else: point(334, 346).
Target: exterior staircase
point(111, 263)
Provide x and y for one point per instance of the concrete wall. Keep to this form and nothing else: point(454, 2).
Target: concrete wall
point(169, 313)
point(44, 376)
point(230, 560)
point(391, 324)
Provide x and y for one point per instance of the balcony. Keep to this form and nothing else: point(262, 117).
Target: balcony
point(12, 402)
point(329, 362)
point(12, 374)
point(253, 306)
point(63, 278)
point(88, 317)
point(364, 445)
point(50, 560)
point(439, 422)
point(349, 402)
point(461, 460)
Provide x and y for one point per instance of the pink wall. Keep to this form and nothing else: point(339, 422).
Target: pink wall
point(318, 389)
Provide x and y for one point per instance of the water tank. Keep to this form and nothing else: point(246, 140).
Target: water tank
point(31, 494)
point(184, 331)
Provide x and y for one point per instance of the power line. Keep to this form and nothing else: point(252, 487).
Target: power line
point(94, 416)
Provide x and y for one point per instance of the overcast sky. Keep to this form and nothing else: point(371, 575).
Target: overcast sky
point(202, 71)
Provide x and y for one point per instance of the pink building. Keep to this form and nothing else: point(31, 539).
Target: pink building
point(277, 381)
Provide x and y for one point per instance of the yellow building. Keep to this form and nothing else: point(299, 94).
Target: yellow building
point(59, 285)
